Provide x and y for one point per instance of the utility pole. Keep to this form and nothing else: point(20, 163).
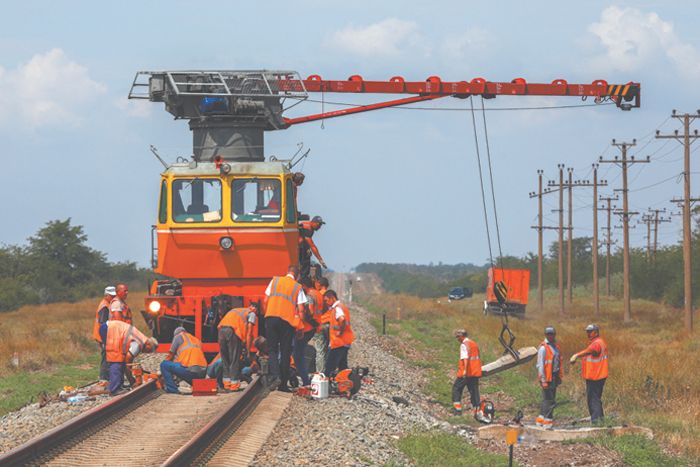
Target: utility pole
point(657, 221)
point(594, 250)
point(686, 210)
point(625, 213)
point(608, 243)
point(647, 219)
point(560, 187)
point(540, 292)
point(569, 282)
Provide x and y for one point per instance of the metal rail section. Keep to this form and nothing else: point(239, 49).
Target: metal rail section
point(47, 442)
point(204, 444)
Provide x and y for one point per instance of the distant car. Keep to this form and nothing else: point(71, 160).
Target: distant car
point(359, 279)
point(458, 293)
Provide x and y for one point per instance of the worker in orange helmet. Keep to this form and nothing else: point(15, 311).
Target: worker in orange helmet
point(468, 376)
point(595, 371)
point(549, 371)
point(120, 310)
point(341, 335)
point(307, 245)
point(185, 360)
point(235, 336)
point(101, 317)
point(123, 343)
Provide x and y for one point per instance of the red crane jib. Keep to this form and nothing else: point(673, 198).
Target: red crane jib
point(435, 88)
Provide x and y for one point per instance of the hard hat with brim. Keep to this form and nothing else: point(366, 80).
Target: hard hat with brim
point(111, 290)
point(550, 330)
point(592, 327)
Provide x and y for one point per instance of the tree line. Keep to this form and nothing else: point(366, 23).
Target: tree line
point(56, 265)
point(659, 280)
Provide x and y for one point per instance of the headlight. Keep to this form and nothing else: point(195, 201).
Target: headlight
point(226, 242)
point(154, 306)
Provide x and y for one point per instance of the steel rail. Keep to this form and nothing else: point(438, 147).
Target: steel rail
point(72, 429)
point(224, 423)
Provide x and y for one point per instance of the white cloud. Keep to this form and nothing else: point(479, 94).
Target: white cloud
point(467, 43)
point(49, 89)
point(134, 107)
point(635, 40)
point(390, 38)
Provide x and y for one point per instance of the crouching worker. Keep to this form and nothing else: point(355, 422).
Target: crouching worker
point(185, 360)
point(468, 376)
point(123, 343)
point(235, 337)
point(259, 343)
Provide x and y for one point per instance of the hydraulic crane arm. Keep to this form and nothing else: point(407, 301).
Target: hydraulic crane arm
point(625, 96)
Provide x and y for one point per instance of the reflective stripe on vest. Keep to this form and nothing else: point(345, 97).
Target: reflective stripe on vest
point(474, 360)
point(284, 305)
point(240, 328)
point(130, 334)
point(348, 336)
point(596, 368)
point(96, 327)
point(548, 362)
point(191, 350)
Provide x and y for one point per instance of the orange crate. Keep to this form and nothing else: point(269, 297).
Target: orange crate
point(204, 387)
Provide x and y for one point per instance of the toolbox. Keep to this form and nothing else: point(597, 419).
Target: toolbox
point(204, 387)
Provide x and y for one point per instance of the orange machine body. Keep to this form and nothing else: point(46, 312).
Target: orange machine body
point(518, 283)
point(221, 237)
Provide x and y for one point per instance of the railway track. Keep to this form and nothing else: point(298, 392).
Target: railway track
point(147, 427)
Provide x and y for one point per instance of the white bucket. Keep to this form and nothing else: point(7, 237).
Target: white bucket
point(319, 386)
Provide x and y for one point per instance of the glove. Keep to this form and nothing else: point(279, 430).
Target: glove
point(545, 385)
point(573, 359)
point(323, 264)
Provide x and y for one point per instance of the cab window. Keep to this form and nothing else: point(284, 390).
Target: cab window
point(291, 203)
point(163, 207)
point(196, 200)
point(256, 200)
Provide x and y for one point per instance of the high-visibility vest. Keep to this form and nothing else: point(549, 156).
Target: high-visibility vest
point(549, 362)
point(119, 337)
point(284, 293)
point(190, 352)
point(313, 307)
point(319, 315)
point(348, 337)
point(237, 318)
point(126, 312)
point(470, 366)
point(96, 327)
point(595, 368)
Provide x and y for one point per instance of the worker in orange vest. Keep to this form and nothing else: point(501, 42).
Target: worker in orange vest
point(101, 317)
point(307, 245)
point(595, 371)
point(120, 311)
point(123, 343)
point(549, 371)
point(235, 334)
point(468, 376)
point(314, 300)
point(215, 370)
point(341, 335)
point(285, 306)
point(184, 360)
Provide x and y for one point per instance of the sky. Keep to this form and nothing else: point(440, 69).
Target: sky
point(394, 185)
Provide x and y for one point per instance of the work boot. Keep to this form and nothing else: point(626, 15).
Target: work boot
point(540, 421)
point(234, 387)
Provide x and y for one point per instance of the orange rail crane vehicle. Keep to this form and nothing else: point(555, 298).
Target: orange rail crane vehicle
point(227, 218)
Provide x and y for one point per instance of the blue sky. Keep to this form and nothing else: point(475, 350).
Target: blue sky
point(394, 185)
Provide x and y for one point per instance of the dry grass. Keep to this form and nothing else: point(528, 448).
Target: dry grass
point(654, 365)
point(46, 335)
